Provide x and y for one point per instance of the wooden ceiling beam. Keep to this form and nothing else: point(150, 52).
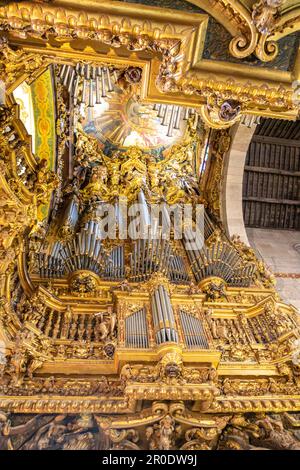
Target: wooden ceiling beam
point(287, 202)
point(266, 139)
point(275, 171)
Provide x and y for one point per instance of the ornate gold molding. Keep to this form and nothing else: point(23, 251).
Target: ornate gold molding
point(256, 27)
point(245, 332)
point(181, 77)
point(36, 404)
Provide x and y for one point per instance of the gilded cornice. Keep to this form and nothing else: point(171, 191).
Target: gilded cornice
point(181, 77)
point(287, 23)
point(41, 349)
point(36, 404)
point(127, 406)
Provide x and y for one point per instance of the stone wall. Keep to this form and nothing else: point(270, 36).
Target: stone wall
point(277, 248)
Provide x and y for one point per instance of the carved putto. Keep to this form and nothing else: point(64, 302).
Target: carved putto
point(162, 436)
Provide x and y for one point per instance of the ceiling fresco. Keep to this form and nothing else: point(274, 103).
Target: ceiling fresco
point(121, 120)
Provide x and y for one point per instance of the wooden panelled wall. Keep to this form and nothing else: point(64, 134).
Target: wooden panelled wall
point(271, 186)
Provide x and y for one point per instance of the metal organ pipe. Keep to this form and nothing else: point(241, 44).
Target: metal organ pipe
point(194, 334)
point(167, 301)
point(91, 94)
point(68, 70)
point(140, 330)
point(177, 118)
point(166, 317)
point(62, 71)
point(172, 115)
point(136, 333)
point(71, 81)
point(97, 81)
point(103, 84)
point(160, 316)
point(98, 95)
point(145, 211)
point(165, 117)
point(76, 88)
point(109, 82)
point(161, 110)
point(158, 336)
point(163, 316)
point(171, 123)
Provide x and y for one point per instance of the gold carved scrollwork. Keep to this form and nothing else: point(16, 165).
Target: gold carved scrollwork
point(163, 427)
point(262, 22)
point(221, 141)
point(18, 65)
point(173, 75)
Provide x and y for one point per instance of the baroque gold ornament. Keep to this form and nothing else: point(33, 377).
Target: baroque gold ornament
point(117, 342)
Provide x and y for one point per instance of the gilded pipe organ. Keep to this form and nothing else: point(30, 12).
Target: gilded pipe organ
point(112, 334)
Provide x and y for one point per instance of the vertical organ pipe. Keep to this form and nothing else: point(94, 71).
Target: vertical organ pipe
point(163, 316)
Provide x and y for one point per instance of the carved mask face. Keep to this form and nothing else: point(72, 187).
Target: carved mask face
point(172, 370)
point(229, 110)
point(109, 349)
point(133, 74)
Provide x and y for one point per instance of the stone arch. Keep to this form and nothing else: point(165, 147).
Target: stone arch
point(232, 188)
